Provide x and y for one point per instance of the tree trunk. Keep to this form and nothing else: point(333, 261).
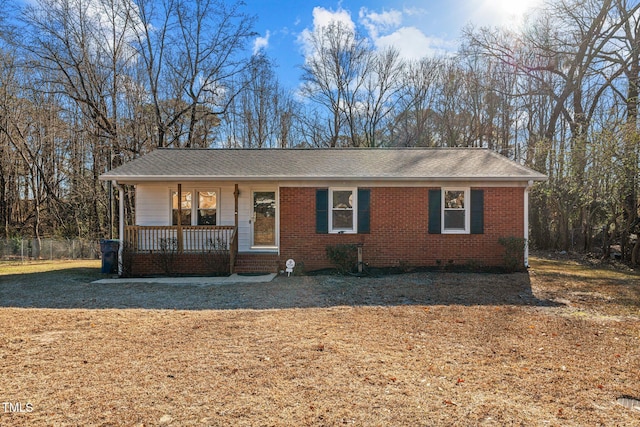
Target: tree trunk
point(635, 253)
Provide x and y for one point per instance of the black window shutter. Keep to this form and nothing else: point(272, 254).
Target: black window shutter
point(364, 215)
point(322, 211)
point(435, 214)
point(477, 211)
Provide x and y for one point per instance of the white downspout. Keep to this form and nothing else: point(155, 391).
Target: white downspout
point(120, 224)
point(526, 224)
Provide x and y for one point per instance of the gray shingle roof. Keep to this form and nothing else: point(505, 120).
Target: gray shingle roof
point(422, 164)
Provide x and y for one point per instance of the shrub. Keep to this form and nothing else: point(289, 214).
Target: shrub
point(344, 257)
point(474, 265)
point(298, 270)
point(127, 259)
point(217, 258)
point(167, 255)
point(404, 266)
point(513, 252)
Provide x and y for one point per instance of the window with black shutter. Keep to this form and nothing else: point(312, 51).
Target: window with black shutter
point(343, 210)
point(456, 210)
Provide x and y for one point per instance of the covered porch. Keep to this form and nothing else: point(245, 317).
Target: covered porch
point(181, 238)
point(207, 228)
point(213, 246)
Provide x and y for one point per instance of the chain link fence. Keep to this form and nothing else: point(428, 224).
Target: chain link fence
point(28, 249)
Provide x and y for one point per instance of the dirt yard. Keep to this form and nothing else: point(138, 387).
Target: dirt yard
point(554, 347)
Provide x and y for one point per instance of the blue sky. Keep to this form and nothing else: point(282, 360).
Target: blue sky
point(417, 28)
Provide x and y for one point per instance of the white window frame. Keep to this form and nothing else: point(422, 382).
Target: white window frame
point(194, 203)
point(467, 211)
point(354, 208)
point(175, 190)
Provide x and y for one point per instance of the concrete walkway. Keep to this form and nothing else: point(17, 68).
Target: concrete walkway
point(234, 278)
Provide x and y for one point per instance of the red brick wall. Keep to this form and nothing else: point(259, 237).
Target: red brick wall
point(183, 264)
point(399, 220)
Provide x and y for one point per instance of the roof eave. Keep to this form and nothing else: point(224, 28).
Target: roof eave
point(172, 178)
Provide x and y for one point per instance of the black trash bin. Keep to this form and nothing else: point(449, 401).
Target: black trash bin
point(109, 249)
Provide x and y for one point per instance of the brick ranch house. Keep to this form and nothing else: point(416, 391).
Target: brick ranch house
point(410, 207)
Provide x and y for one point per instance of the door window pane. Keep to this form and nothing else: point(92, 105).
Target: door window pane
point(264, 224)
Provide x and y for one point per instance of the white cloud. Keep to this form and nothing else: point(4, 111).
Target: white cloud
point(500, 12)
point(385, 30)
point(376, 22)
point(413, 43)
point(413, 11)
point(323, 18)
point(102, 20)
point(261, 43)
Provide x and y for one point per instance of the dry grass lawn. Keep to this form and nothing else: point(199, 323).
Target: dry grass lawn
point(554, 347)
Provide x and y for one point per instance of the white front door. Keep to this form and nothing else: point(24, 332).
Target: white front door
point(264, 219)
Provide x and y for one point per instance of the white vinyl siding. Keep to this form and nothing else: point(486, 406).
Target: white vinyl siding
point(226, 205)
point(152, 204)
point(244, 216)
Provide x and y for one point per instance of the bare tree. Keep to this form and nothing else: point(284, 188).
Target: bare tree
point(381, 93)
point(413, 121)
point(31, 129)
point(560, 57)
point(624, 53)
point(334, 73)
point(85, 45)
point(10, 164)
point(192, 52)
point(208, 53)
point(262, 115)
point(151, 46)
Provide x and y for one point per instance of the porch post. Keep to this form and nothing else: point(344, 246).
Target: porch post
point(526, 224)
point(121, 220)
point(236, 193)
point(179, 231)
point(233, 245)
